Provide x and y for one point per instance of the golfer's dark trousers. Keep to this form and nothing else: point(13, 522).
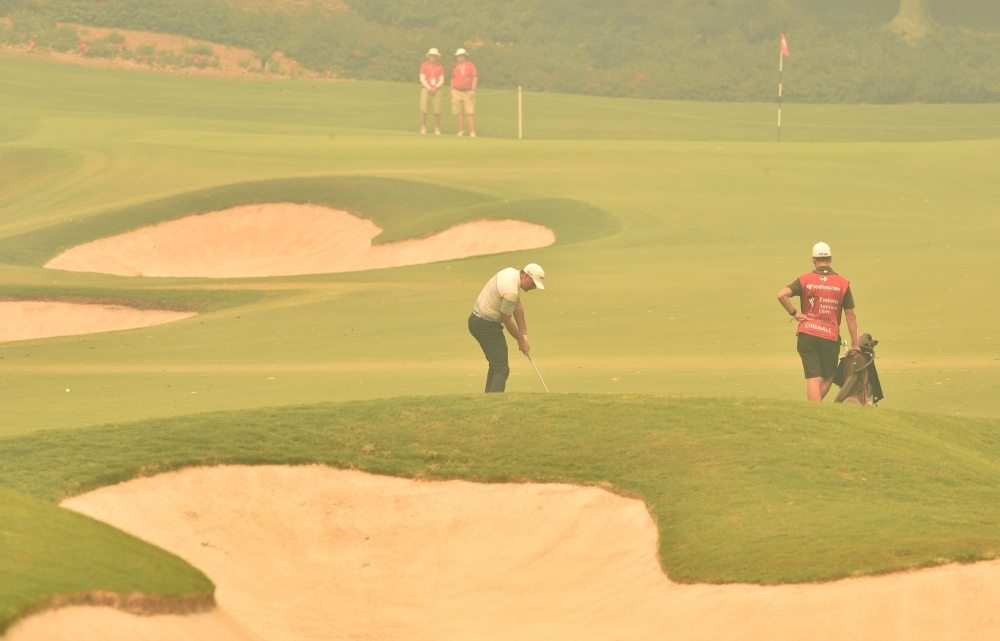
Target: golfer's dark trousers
point(494, 344)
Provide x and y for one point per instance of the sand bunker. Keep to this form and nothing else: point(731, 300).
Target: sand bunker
point(282, 239)
point(80, 623)
point(316, 553)
point(23, 320)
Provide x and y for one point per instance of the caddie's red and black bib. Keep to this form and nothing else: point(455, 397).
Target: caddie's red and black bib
point(822, 300)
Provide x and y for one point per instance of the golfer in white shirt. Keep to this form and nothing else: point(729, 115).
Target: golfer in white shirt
point(499, 306)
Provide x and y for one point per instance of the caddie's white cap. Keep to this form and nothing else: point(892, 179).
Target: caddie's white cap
point(536, 272)
point(463, 52)
point(434, 52)
point(821, 250)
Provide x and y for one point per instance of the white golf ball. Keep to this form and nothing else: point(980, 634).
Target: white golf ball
point(67, 390)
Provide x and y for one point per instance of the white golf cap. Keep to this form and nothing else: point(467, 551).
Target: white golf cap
point(537, 274)
point(434, 52)
point(463, 52)
point(821, 250)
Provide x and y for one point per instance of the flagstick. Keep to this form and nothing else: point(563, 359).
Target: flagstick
point(781, 73)
point(520, 116)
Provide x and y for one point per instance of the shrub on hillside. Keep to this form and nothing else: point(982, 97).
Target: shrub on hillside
point(110, 46)
point(63, 38)
point(36, 31)
point(597, 47)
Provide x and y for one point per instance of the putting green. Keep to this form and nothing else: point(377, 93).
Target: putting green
point(697, 218)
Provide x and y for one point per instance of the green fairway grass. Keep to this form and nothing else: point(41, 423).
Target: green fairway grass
point(679, 300)
point(24, 168)
point(46, 551)
point(676, 223)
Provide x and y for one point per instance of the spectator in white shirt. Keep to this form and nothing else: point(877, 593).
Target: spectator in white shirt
point(431, 81)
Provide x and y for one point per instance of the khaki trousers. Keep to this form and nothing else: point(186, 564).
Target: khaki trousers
point(435, 100)
point(463, 99)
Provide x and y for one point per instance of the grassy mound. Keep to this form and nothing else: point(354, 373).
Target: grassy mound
point(751, 490)
point(48, 553)
point(403, 209)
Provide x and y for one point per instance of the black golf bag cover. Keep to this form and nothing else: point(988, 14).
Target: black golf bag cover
point(857, 376)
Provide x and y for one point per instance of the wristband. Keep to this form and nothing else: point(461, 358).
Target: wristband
point(793, 312)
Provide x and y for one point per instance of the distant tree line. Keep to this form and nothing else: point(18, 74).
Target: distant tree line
point(874, 51)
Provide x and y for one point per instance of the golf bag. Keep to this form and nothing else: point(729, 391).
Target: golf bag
point(857, 376)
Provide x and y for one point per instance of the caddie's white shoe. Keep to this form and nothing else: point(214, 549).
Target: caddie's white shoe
point(461, 133)
point(472, 135)
point(423, 130)
point(437, 131)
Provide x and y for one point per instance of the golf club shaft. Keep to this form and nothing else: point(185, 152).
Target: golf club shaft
point(537, 372)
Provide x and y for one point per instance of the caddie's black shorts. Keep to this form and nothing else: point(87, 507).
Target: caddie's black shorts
point(819, 356)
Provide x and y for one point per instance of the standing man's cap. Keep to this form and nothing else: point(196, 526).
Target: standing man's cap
point(821, 250)
point(536, 272)
point(463, 52)
point(434, 52)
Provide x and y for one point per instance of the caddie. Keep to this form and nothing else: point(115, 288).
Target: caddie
point(499, 306)
point(825, 296)
point(431, 81)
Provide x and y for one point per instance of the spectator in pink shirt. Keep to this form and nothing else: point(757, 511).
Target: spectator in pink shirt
point(431, 80)
point(463, 92)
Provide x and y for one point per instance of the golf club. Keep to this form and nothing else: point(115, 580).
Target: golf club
point(537, 372)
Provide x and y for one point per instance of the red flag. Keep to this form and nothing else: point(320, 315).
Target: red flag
point(784, 46)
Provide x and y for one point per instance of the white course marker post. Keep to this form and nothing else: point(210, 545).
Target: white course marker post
point(520, 116)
